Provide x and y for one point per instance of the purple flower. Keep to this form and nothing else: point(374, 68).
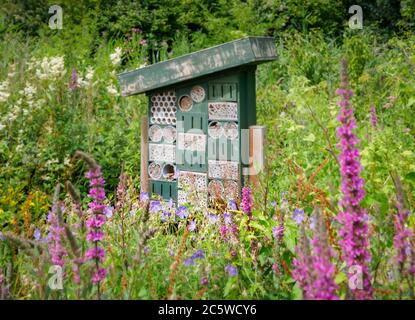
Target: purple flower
point(188, 262)
point(155, 206)
point(354, 232)
point(56, 250)
point(95, 253)
point(136, 30)
point(95, 236)
point(232, 205)
point(247, 202)
point(171, 252)
point(144, 197)
point(143, 42)
point(204, 281)
point(273, 203)
point(98, 211)
point(373, 117)
point(278, 232)
point(227, 218)
point(146, 249)
point(37, 235)
point(165, 216)
point(99, 275)
point(213, 218)
point(231, 270)
point(199, 254)
point(182, 212)
point(192, 226)
point(108, 211)
point(2, 238)
point(298, 216)
point(73, 84)
point(402, 239)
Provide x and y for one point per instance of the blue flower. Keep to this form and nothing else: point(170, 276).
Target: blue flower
point(155, 206)
point(227, 218)
point(199, 254)
point(165, 216)
point(108, 211)
point(182, 212)
point(146, 248)
point(273, 204)
point(232, 205)
point(298, 215)
point(188, 262)
point(192, 226)
point(144, 196)
point(170, 203)
point(312, 223)
point(2, 238)
point(37, 235)
point(231, 270)
point(213, 218)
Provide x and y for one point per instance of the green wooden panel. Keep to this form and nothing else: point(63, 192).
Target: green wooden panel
point(167, 190)
point(245, 51)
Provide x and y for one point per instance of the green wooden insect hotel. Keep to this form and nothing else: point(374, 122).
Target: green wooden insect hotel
point(195, 145)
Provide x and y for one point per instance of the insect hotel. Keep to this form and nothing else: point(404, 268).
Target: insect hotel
point(199, 142)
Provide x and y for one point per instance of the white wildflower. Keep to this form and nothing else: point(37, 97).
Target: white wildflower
point(89, 74)
point(4, 91)
point(50, 68)
point(116, 56)
point(112, 90)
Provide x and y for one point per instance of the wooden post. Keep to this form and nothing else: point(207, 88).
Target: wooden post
point(257, 137)
point(144, 183)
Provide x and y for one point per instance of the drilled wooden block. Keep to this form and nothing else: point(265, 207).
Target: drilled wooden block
point(192, 180)
point(223, 169)
point(162, 152)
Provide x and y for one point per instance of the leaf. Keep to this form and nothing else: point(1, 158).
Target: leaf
point(340, 278)
point(228, 287)
point(297, 293)
point(310, 138)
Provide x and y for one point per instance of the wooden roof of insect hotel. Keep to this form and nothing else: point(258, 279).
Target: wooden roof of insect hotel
point(245, 51)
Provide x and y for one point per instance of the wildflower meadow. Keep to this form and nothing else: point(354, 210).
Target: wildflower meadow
point(331, 216)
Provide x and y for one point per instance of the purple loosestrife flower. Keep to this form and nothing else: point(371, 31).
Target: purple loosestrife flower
point(298, 216)
point(302, 272)
point(56, 232)
point(402, 239)
point(354, 232)
point(73, 84)
point(278, 232)
point(247, 202)
point(373, 117)
point(97, 219)
point(324, 286)
point(232, 271)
